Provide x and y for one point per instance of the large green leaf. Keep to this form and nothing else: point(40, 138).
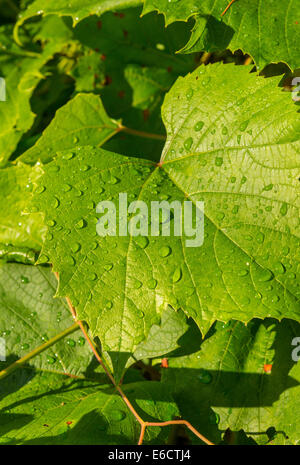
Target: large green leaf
point(78, 9)
point(30, 316)
point(18, 228)
point(269, 32)
point(81, 121)
point(226, 382)
point(224, 148)
point(49, 409)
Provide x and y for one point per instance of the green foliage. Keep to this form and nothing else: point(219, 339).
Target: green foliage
point(225, 382)
point(268, 33)
point(100, 103)
point(246, 215)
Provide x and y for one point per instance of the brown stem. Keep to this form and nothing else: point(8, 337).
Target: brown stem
point(147, 135)
point(248, 61)
point(227, 8)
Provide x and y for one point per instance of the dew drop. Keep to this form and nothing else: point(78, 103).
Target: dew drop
point(291, 275)
point(70, 260)
point(283, 209)
point(224, 130)
point(260, 237)
point(75, 247)
point(71, 342)
point(243, 126)
point(165, 251)
point(204, 376)
point(151, 284)
point(108, 266)
point(55, 202)
point(81, 341)
point(40, 189)
point(66, 187)
point(199, 126)
point(24, 280)
point(243, 273)
point(80, 224)
point(114, 180)
point(269, 187)
point(265, 275)
point(278, 268)
point(188, 143)
point(218, 161)
point(68, 156)
point(93, 276)
point(117, 415)
point(51, 223)
point(189, 94)
point(142, 241)
point(177, 275)
point(43, 259)
point(51, 360)
point(136, 284)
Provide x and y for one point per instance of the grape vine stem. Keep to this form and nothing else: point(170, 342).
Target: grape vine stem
point(228, 6)
point(143, 424)
point(147, 135)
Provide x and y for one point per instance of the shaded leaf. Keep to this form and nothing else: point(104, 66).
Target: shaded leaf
point(225, 385)
point(51, 409)
point(268, 34)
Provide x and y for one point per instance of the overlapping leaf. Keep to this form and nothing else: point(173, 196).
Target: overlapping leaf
point(21, 70)
point(49, 409)
point(19, 228)
point(236, 151)
point(225, 385)
point(81, 121)
point(269, 33)
point(77, 9)
point(30, 316)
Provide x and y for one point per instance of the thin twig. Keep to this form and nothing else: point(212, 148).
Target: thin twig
point(227, 8)
point(206, 56)
point(248, 61)
point(147, 135)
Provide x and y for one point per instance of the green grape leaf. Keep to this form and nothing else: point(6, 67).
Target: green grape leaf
point(163, 338)
point(226, 382)
point(18, 228)
point(88, 72)
point(77, 9)
point(30, 316)
point(82, 120)
point(126, 39)
point(79, 412)
point(148, 84)
point(269, 34)
point(225, 151)
point(22, 71)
